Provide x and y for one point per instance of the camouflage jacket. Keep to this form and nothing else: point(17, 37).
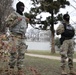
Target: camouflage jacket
point(15, 25)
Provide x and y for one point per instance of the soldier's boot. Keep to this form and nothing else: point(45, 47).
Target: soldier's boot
point(6, 72)
point(11, 71)
point(21, 72)
point(63, 71)
point(72, 71)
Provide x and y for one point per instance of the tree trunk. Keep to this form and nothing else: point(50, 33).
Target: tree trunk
point(52, 34)
point(52, 43)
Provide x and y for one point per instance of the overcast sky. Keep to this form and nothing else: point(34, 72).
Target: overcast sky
point(70, 9)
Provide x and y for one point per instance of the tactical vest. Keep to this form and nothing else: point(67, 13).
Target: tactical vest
point(21, 26)
point(69, 31)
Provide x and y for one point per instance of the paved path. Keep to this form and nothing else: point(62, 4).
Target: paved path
point(45, 56)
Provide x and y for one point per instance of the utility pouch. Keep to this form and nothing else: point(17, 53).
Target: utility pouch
point(62, 40)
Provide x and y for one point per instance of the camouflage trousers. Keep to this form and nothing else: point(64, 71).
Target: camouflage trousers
point(17, 52)
point(67, 51)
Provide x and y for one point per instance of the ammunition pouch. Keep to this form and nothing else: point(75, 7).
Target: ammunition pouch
point(61, 40)
point(64, 38)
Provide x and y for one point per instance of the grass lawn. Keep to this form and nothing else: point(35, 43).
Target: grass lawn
point(46, 52)
point(43, 66)
point(43, 52)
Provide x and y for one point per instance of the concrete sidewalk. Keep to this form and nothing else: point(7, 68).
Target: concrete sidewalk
point(46, 56)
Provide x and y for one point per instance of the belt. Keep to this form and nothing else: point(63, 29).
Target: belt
point(17, 35)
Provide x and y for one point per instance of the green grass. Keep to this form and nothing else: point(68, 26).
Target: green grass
point(46, 52)
point(39, 52)
point(43, 66)
point(74, 54)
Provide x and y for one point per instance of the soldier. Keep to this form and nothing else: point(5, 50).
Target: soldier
point(67, 33)
point(17, 24)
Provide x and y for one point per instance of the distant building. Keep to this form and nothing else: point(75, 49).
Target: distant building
point(38, 35)
point(44, 35)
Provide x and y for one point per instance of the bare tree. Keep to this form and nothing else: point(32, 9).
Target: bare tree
point(5, 9)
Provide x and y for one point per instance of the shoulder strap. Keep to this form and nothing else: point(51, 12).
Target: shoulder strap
point(64, 25)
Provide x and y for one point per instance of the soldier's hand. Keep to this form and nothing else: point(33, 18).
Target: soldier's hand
point(19, 19)
point(27, 19)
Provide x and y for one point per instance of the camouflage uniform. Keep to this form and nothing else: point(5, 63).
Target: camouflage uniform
point(17, 37)
point(66, 49)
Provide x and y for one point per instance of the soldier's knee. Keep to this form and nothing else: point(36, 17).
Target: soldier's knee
point(64, 56)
